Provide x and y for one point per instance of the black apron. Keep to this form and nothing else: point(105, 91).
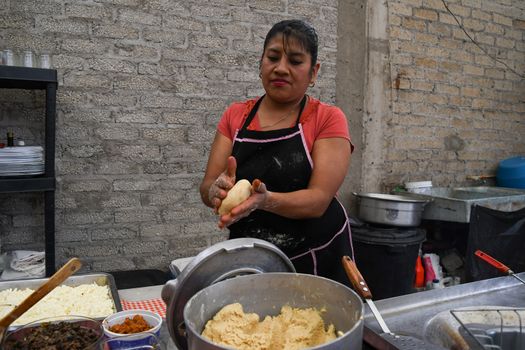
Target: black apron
point(280, 159)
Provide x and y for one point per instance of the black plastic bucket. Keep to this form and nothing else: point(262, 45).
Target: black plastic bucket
point(386, 257)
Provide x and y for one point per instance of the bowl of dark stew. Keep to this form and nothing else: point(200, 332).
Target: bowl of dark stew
point(62, 332)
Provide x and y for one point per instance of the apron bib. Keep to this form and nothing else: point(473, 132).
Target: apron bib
point(280, 159)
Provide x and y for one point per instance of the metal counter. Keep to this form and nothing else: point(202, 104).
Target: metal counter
point(427, 314)
point(411, 314)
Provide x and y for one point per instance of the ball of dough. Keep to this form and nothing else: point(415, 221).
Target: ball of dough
point(236, 195)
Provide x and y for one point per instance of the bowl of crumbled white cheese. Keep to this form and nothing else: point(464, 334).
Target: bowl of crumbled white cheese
point(90, 299)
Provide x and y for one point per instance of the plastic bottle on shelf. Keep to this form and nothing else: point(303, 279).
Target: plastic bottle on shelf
point(10, 139)
point(28, 58)
point(436, 284)
point(45, 60)
point(430, 274)
point(9, 58)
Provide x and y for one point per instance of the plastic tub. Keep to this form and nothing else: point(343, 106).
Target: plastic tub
point(129, 342)
point(136, 340)
point(424, 187)
point(511, 173)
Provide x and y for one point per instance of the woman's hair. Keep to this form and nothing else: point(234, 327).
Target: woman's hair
point(299, 30)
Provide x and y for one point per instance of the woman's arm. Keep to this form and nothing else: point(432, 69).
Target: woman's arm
point(220, 172)
point(331, 157)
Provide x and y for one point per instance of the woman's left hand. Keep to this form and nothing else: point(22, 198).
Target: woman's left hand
point(255, 201)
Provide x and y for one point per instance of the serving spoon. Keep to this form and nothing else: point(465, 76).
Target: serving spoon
point(58, 277)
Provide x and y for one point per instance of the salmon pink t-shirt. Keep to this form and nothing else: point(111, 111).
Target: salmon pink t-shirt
point(319, 120)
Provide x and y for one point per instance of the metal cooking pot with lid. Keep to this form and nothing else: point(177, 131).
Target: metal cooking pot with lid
point(259, 276)
point(221, 261)
point(389, 209)
point(265, 293)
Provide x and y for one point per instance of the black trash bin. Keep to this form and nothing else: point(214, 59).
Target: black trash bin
point(386, 257)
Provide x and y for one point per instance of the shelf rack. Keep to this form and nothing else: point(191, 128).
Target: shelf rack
point(37, 79)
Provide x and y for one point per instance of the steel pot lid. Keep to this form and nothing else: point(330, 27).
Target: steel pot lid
point(234, 257)
point(391, 197)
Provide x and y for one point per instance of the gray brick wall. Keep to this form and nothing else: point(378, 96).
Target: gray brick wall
point(142, 85)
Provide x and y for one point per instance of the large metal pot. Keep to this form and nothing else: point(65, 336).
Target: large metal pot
point(389, 209)
point(265, 293)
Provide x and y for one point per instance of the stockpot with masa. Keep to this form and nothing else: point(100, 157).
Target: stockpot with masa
point(262, 279)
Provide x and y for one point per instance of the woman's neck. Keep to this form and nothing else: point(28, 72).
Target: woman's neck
point(277, 115)
point(275, 106)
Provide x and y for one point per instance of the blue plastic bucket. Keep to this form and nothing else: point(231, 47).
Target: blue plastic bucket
point(511, 173)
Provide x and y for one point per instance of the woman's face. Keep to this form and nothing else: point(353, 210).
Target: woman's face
point(286, 72)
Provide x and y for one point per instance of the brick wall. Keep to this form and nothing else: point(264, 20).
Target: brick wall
point(455, 110)
point(142, 85)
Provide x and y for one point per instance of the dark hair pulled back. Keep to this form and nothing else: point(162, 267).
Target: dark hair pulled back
point(299, 30)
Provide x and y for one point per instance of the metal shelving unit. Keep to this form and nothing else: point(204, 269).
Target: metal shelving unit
point(37, 79)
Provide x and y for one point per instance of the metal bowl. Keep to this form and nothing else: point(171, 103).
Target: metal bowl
point(266, 293)
point(18, 339)
point(389, 209)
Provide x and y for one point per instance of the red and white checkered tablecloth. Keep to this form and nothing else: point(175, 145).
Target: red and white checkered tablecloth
point(154, 305)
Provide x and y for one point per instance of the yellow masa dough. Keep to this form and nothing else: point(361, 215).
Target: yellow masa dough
point(292, 329)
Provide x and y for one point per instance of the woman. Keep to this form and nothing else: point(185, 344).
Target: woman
point(295, 150)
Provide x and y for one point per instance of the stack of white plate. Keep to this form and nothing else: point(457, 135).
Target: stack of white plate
point(21, 160)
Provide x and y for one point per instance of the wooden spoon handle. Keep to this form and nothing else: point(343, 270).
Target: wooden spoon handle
point(355, 277)
point(58, 277)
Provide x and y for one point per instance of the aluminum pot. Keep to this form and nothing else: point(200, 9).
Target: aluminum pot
point(389, 209)
point(265, 293)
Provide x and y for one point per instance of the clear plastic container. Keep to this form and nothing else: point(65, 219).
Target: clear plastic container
point(424, 187)
point(142, 340)
point(9, 57)
point(45, 60)
point(28, 58)
point(132, 342)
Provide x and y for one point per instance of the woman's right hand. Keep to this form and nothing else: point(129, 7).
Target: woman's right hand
point(257, 200)
point(224, 182)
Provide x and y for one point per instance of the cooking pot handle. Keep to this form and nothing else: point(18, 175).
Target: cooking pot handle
point(236, 272)
point(168, 290)
point(181, 329)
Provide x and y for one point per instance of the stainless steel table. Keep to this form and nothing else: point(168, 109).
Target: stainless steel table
point(407, 314)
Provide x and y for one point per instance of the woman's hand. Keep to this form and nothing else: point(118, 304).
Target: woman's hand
point(224, 182)
point(255, 201)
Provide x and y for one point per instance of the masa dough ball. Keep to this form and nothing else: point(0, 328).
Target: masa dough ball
point(236, 195)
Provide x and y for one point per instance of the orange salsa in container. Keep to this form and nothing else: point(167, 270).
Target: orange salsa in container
point(135, 324)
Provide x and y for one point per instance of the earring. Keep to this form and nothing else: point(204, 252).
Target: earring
point(260, 75)
point(312, 84)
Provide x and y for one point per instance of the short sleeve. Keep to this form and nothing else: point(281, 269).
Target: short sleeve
point(224, 126)
point(233, 118)
point(332, 123)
